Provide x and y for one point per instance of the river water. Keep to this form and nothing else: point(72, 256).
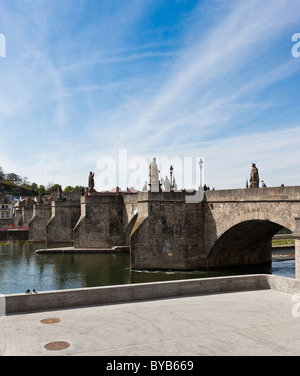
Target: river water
point(22, 269)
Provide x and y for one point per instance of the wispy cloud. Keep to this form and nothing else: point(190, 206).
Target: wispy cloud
point(228, 161)
point(207, 74)
point(219, 80)
point(216, 80)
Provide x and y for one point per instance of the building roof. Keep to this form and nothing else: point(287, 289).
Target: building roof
point(4, 199)
point(26, 201)
point(69, 196)
point(127, 190)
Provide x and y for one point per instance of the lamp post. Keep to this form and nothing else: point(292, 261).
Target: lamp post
point(171, 176)
point(201, 167)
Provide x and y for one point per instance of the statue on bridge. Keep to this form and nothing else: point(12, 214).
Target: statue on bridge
point(40, 199)
point(91, 183)
point(167, 185)
point(155, 185)
point(59, 193)
point(254, 177)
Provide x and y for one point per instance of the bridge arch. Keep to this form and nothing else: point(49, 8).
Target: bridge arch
point(284, 221)
point(246, 239)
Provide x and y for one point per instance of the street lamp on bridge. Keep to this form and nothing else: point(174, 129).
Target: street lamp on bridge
point(171, 176)
point(201, 167)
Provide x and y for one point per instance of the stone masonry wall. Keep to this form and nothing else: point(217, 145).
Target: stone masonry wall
point(239, 224)
point(5, 222)
point(230, 227)
point(38, 223)
point(27, 213)
point(64, 217)
point(102, 222)
point(168, 233)
point(18, 217)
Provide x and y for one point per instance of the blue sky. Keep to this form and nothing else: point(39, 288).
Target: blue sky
point(83, 79)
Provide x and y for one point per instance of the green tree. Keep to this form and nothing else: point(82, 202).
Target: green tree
point(79, 188)
point(14, 178)
point(34, 187)
point(41, 190)
point(52, 188)
point(68, 189)
point(25, 182)
point(2, 174)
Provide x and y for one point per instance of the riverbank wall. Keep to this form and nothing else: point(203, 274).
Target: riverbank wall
point(14, 235)
point(62, 299)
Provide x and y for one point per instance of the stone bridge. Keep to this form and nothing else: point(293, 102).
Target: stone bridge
point(163, 231)
point(228, 228)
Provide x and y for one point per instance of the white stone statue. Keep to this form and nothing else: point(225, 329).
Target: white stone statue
point(167, 184)
point(154, 172)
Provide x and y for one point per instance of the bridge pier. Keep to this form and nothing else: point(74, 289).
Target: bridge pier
point(102, 222)
point(27, 213)
point(297, 248)
point(168, 232)
point(64, 217)
point(38, 223)
point(18, 217)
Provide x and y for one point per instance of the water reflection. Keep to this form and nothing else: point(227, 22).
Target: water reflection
point(21, 268)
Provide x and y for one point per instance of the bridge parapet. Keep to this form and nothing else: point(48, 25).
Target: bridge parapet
point(281, 194)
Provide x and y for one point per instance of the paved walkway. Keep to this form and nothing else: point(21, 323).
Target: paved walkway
point(240, 323)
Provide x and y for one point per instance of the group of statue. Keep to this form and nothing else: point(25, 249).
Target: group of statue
point(167, 185)
point(156, 184)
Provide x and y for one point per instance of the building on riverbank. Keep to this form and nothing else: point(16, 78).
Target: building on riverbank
point(6, 208)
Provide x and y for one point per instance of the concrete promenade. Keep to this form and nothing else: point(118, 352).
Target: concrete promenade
point(254, 322)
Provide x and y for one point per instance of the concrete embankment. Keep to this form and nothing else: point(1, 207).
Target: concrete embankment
point(18, 303)
point(117, 249)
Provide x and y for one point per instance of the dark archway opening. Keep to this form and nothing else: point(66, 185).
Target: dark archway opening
point(247, 243)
